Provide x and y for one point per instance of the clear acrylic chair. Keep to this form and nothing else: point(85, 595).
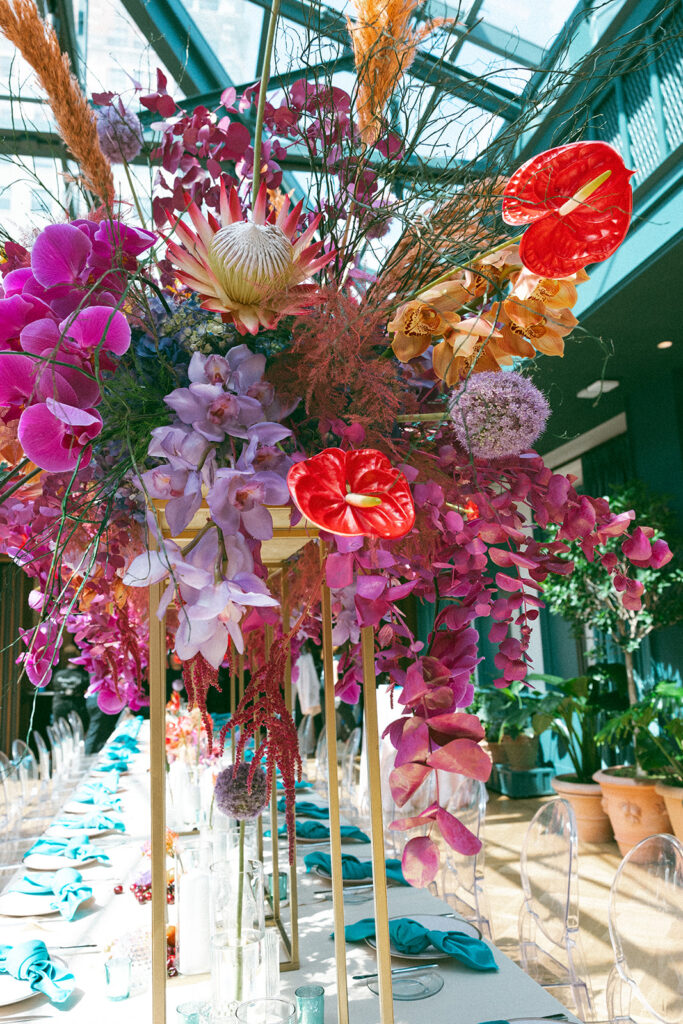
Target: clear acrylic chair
point(549, 942)
point(460, 882)
point(321, 762)
point(74, 720)
point(29, 772)
point(350, 771)
point(646, 929)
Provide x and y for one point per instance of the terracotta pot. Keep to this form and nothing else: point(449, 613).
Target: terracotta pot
point(673, 798)
point(521, 752)
point(495, 750)
point(592, 821)
point(635, 809)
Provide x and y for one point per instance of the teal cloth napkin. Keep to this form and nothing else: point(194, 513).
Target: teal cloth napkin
point(73, 849)
point(108, 785)
point(30, 961)
point(122, 743)
point(353, 868)
point(112, 766)
point(95, 820)
point(298, 786)
point(67, 886)
point(411, 938)
point(306, 808)
point(319, 830)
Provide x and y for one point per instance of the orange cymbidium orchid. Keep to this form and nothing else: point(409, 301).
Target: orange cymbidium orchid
point(472, 346)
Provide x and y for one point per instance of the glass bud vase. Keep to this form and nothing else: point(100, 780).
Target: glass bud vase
point(239, 956)
point(192, 896)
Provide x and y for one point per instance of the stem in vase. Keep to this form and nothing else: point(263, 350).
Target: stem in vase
point(240, 902)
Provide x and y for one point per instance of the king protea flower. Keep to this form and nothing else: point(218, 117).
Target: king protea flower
point(251, 271)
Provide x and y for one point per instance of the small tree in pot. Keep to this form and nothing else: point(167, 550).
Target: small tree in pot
point(584, 600)
point(574, 710)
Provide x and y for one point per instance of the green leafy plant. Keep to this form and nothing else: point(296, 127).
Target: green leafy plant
point(654, 725)
point(575, 709)
point(511, 712)
point(586, 601)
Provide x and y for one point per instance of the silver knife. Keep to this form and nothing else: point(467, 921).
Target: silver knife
point(395, 971)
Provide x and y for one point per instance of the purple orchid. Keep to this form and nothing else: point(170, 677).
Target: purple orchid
point(238, 499)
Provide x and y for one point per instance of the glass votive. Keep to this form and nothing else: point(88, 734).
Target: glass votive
point(282, 886)
point(266, 1011)
point(310, 1002)
point(117, 977)
point(195, 1012)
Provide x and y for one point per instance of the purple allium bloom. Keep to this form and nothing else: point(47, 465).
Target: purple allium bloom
point(498, 414)
point(120, 133)
point(235, 797)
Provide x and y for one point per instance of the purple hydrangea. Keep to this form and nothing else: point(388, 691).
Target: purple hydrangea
point(235, 797)
point(120, 133)
point(498, 414)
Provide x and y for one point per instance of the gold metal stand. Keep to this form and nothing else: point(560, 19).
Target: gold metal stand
point(335, 823)
point(157, 768)
point(386, 1003)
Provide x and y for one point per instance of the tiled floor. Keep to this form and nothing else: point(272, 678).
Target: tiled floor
point(506, 824)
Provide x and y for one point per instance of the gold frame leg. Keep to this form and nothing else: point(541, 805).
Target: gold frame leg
point(335, 834)
point(157, 769)
point(386, 1001)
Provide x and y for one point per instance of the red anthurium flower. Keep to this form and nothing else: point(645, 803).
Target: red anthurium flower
point(356, 493)
point(577, 200)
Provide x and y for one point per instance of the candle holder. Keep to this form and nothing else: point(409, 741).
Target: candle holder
point(193, 953)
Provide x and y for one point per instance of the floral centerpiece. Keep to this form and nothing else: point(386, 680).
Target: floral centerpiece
point(361, 357)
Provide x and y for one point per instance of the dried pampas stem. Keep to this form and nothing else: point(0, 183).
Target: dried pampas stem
point(21, 23)
point(384, 47)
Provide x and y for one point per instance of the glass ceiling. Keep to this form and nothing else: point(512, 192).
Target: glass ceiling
point(121, 42)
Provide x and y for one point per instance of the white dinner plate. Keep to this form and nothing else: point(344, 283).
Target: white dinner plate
point(24, 904)
point(53, 862)
point(76, 807)
point(317, 870)
point(14, 991)
point(435, 923)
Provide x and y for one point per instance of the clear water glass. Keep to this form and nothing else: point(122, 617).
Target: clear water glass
point(117, 977)
point(266, 1011)
point(310, 1002)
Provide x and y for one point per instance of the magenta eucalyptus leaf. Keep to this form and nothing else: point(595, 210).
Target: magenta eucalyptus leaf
point(420, 861)
point(456, 834)
point(463, 756)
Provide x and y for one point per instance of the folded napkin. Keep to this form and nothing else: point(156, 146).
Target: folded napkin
point(30, 961)
point(121, 743)
point(73, 849)
point(112, 766)
point(319, 830)
point(298, 786)
point(306, 808)
point(353, 868)
point(109, 785)
point(411, 938)
point(95, 820)
point(67, 886)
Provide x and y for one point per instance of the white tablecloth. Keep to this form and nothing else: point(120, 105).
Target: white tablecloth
point(467, 997)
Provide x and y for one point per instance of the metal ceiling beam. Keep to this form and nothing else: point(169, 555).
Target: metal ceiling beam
point(490, 37)
point(425, 67)
point(176, 39)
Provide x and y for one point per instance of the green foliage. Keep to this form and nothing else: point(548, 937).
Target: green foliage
point(586, 597)
point(654, 725)
point(513, 711)
point(575, 709)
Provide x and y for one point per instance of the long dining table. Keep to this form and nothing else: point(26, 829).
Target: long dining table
point(467, 996)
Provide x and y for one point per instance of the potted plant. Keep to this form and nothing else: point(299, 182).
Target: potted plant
point(574, 710)
point(637, 795)
point(582, 598)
